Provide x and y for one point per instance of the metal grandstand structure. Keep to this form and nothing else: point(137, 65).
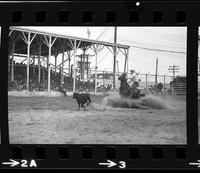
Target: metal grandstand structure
point(198, 56)
point(198, 65)
point(30, 43)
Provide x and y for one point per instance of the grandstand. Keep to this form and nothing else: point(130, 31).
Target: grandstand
point(19, 83)
point(37, 72)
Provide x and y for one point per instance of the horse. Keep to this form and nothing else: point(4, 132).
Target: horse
point(157, 88)
point(126, 91)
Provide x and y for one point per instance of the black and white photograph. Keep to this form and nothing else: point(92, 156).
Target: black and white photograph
point(0, 48)
point(199, 85)
point(97, 85)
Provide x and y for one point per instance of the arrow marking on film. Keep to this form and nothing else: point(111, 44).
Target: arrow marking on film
point(109, 163)
point(12, 163)
point(197, 163)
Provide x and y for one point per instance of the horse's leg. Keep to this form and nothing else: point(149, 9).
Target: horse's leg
point(82, 105)
point(88, 102)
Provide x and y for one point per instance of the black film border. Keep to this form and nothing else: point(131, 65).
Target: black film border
point(111, 13)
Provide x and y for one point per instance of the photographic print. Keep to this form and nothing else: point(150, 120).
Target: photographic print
point(199, 86)
point(97, 85)
point(0, 48)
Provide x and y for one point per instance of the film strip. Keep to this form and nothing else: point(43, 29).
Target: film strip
point(43, 128)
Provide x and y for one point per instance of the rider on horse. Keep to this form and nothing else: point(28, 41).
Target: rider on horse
point(132, 80)
point(129, 86)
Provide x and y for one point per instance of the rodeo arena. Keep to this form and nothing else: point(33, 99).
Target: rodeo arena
point(56, 96)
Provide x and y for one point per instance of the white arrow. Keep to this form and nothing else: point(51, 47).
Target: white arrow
point(197, 163)
point(109, 163)
point(12, 163)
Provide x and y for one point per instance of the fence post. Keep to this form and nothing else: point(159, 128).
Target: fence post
point(103, 79)
point(164, 83)
point(12, 67)
point(146, 81)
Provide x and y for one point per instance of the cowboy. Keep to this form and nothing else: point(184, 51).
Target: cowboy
point(132, 80)
point(62, 89)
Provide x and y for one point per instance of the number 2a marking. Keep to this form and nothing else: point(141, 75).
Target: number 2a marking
point(122, 164)
point(24, 163)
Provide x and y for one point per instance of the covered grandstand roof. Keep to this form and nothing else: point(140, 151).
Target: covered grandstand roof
point(62, 42)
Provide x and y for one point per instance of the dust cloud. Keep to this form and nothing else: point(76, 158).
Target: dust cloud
point(147, 102)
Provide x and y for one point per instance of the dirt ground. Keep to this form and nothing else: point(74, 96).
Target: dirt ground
point(57, 120)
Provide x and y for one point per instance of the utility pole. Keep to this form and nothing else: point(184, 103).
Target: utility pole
point(104, 76)
point(173, 69)
point(88, 33)
point(198, 67)
point(114, 63)
point(117, 66)
point(198, 57)
point(156, 81)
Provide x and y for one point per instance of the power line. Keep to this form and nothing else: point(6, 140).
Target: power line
point(159, 35)
point(142, 57)
point(152, 44)
point(104, 55)
point(153, 49)
point(103, 58)
point(161, 67)
point(159, 50)
point(138, 60)
point(170, 36)
point(102, 33)
point(108, 41)
point(150, 63)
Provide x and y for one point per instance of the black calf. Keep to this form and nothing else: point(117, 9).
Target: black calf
point(81, 99)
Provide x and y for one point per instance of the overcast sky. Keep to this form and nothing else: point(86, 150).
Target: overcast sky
point(140, 59)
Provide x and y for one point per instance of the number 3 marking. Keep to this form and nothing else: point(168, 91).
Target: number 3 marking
point(122, 164)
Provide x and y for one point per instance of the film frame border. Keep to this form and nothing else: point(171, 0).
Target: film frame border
point(125, 14)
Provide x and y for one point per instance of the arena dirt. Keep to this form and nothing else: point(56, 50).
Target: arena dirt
point(34, 120)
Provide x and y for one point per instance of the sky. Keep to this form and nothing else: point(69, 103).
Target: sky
point(140, 39)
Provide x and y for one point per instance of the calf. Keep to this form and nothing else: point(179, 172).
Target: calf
point(81, 99)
